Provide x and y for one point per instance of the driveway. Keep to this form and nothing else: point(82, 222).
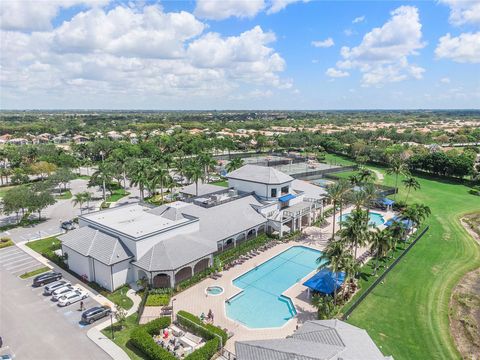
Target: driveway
point(31, 325)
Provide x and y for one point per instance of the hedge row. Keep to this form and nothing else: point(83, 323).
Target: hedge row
point(243, 248)
point(206, 352)
point(206, 331)
point(142, 339)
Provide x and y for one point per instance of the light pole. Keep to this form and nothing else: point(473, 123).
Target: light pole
point(173, 312)
point(103, 177)
point(111, 325)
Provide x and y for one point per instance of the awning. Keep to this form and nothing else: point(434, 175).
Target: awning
point(286, 198)
point(325, 281)
point(386, 201)
point(408, 224)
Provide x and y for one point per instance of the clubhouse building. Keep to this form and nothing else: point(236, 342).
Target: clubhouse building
point(170, 243)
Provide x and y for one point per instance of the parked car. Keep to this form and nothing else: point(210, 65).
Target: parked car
point(49, 289)
point(46, 278)
point(72, 297)
point(68, 225)
point(93, 314)
point(57, 294)
point(6, 357)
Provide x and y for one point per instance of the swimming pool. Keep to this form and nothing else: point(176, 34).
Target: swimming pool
point(261, 304)
point(374, 218)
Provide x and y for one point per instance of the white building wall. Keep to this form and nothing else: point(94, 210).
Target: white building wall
point(247, 186)
point(78, 263)
point(122, 274)
point(103, 276)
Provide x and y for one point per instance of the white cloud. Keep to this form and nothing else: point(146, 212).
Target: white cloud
point(349, 32)
point(464, 48)
point(332, 72)
point(463, 11)
point(219, 10)
point(382, 56)
point(278, 5)
point(358, 19)
point(323, 43)
point(445, 80)
point(31, 15)
point(129, 54)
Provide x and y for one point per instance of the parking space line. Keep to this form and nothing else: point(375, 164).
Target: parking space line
point(30, 262)
point(11, 257)
point(28, 269)
point(7, 250)
point(17, 260)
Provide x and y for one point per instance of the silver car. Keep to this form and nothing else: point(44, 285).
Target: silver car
point(49, 289)
point(57, 294)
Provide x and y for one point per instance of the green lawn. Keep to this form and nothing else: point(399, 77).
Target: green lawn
point(338, 160)
point(122, 337)
point(34, 272)
point(45, 246)
point(220, 183)
point(119, 297)
point(65, 195)
point(407, 315)
point(117, 195)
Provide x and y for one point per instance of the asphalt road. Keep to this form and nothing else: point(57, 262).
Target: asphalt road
point(34, 327)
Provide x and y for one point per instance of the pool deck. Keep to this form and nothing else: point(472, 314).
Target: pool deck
point(195, 300)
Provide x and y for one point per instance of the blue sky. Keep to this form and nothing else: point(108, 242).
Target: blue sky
point(237, 54)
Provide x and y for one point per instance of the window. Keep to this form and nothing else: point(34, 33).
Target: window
point(274, 193)
point(285, 190)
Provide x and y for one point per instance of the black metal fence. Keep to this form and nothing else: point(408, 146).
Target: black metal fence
point(381, 277)
point(315, 174)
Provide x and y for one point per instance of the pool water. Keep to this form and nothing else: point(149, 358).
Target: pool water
point(214, 290)
point(375, 219)
point(261, 304)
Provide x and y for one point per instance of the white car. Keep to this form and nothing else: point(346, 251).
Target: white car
point(49, 289)
point(72, 297)
point(57, 294)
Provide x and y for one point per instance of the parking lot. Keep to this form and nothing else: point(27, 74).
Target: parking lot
point(31, 325)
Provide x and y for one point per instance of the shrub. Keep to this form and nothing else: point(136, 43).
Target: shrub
point(206, 352)
point(157, 300)
point(144, 342)
point(142, 339)
point(5, 242)
point(474, 192)
point(206, 331)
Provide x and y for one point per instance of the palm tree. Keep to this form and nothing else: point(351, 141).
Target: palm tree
point(333, 257)
point(415, 213)
point(194, 173)
point(102, 175)
point(79, 199)
point(207, 161)
point(344, 188)
point(235, 164)
point(365, 175)
point(139, 172)
point(380, 244)
point(397, 167)
point(355, 230)
point(324, 305)
point(369, 194)
point(159, 176)
point(410, 183)
point(397, 230)
point(87, 198)
point(334, 193)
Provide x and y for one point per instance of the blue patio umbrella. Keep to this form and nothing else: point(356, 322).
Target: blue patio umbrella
point(325, 281)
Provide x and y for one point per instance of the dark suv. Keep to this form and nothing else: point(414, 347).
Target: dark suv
point(95, 313)
point(46, 278)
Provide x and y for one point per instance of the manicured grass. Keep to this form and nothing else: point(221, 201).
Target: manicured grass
point(407, 315)
point(83, 177)
point(119, 297)
point(220, 183)
point(65, 195)
point(338, 160)
point(158, 300)
point(117, 195)
point(34, 272)
point(122, 336)
point(45, 247)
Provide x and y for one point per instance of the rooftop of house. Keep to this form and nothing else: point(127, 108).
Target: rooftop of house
point(320, 339)
point(138, 220)
point(203, 189)
point(260, 174)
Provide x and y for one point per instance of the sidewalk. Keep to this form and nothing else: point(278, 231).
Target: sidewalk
point(107, 345)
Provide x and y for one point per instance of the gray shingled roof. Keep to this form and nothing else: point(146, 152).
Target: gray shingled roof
point(88, 241)
point(314, 340)
point(260, 174)
point(203, 189)
point(173, 253)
